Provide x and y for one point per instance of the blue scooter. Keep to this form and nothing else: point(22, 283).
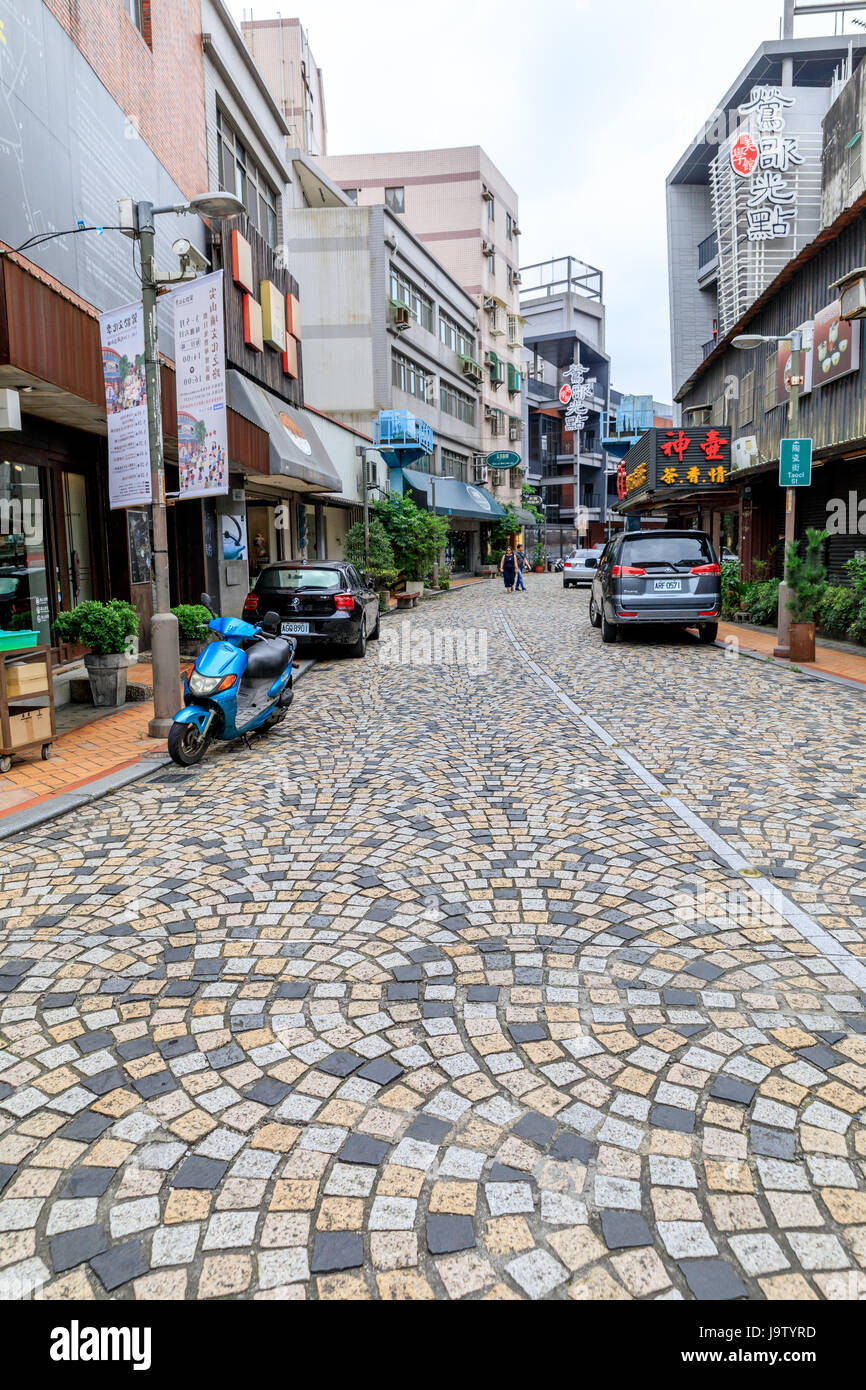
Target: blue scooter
point(239, 686)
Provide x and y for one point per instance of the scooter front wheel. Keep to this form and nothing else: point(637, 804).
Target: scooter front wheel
point(187, 744)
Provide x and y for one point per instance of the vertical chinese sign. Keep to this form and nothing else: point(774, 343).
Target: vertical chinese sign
point(121, 334)
point(202, 422)
point(768, 158)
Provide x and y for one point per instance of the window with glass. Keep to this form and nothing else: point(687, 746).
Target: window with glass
point(395, 199)
point(509, 277)
point(411, 377)
point(239, 173)
point(457, 403)
point(509, 225)
point(491, 209)
point(453, 336)
point(351, 194)
point(455, 465)
point(420, 305)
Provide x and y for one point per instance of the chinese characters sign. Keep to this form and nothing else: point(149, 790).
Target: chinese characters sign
point(769, 159)
point(576, 396)
point(202, 434)
point(670, 461)
point(121, 333)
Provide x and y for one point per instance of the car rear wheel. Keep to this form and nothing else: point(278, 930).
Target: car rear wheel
point(708, 632)
point(594, 615)
point(609, 631)
point(359, 648)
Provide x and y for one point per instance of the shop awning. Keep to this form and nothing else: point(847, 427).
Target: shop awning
point(453, 498)
point(295, 449)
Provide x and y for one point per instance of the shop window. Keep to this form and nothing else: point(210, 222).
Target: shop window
point(25, 604)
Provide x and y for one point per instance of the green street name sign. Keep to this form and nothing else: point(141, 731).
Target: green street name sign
point(795, 463)
point(503, 458)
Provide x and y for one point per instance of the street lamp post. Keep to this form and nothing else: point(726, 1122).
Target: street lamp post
point(137, 221)
point(746, 342)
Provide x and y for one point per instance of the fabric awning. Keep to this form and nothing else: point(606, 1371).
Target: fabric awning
point(453, 497)
point(295, 449)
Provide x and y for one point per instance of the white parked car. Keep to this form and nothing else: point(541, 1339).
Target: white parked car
point(580, 566)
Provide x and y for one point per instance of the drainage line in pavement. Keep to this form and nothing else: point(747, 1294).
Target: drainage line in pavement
point(848, 965)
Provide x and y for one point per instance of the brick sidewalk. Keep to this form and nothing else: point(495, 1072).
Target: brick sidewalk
point(832, 663)
point(84, 754)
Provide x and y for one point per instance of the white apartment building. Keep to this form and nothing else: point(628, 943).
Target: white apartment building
point(281, 49)
point(459, 205)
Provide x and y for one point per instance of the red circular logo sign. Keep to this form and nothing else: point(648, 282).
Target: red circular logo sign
point(565, 393)
point(744, 155)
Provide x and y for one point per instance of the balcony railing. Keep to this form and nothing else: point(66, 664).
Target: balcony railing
point(707, 348)
point(708, 250)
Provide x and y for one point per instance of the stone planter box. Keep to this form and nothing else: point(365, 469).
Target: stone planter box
point(107, 675)
point(801, 642)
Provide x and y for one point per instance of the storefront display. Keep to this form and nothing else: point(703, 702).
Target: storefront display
point(24, 584)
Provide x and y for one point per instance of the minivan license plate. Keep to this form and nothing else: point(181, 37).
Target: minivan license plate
point(295, 629)
point(668, 585)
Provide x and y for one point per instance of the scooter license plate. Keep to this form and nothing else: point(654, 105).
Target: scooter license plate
point(295, 629)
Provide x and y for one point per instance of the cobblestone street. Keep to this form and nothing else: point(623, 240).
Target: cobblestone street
point(542, 981)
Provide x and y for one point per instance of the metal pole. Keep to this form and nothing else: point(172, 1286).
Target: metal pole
point(435, 553)
point(167, 697)
point(783, 636)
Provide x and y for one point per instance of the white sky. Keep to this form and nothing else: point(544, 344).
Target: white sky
point(585, 106)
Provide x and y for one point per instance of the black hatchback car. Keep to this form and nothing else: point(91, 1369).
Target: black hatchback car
point(657, 577)
point(317, 601)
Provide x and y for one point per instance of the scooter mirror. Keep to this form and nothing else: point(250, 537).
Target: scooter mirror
point(205, 599)
point(271, 621)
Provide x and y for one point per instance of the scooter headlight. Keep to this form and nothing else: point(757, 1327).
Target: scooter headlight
point(204, 685)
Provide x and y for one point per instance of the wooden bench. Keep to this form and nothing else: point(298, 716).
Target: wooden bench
point(407, 600)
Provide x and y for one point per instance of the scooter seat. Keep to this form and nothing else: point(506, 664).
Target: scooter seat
point(267, 660)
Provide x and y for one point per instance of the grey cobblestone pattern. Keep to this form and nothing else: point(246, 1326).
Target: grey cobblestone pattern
point(430, 996)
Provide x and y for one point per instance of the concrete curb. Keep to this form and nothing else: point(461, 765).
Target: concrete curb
point(800, 671)
point(16, 822)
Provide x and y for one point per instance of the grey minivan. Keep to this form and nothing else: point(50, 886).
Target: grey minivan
point(657, 577)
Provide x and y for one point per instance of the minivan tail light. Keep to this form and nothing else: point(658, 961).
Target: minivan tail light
point(706, 569)
point(626, 569)
point(251, 603)
point(344, 601)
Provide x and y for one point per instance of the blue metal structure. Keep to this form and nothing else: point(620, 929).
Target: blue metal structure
point(402, 439)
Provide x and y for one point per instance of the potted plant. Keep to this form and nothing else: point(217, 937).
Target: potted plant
point(806, 581)
point(386, 580)
point(416, 537)
point(539, 555)
point(192, 626)
point(106, 629)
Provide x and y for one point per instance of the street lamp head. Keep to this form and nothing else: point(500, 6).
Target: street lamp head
point(746, 341)
point(216, 204)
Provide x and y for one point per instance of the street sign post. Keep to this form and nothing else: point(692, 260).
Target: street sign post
point(795, 463)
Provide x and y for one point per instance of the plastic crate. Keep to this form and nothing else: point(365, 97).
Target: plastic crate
point(17, 641)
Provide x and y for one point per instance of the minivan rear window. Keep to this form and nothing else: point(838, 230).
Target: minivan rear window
point(299, 579)
point(667, 550)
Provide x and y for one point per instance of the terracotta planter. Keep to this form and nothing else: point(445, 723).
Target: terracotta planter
point(801, 642)
point(539, 569)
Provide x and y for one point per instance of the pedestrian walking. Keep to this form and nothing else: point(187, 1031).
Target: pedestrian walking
point(508, 569)
point(520, 564)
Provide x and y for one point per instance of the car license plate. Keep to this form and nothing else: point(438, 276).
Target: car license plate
point(295, 629)
point(668, 585)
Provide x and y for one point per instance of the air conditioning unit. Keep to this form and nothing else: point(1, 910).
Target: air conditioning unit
point(489, 302)
point(486, 194)
point(371, 472)
point(471, 369)
point(516, 278)
point(401, 316)
point(744, 452)
point(487, 248)
point(481, 473)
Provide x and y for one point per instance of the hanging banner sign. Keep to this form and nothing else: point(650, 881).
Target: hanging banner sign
point(121, 334)
point(202, 418)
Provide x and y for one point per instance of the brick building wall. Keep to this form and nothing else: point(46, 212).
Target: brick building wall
point(156, 78)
